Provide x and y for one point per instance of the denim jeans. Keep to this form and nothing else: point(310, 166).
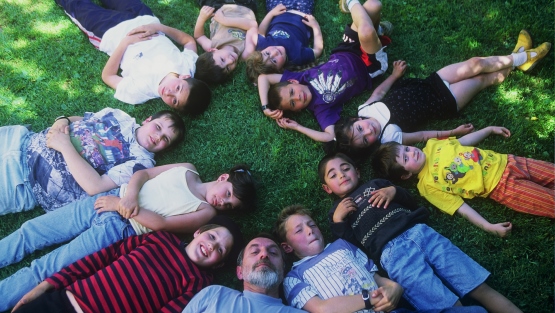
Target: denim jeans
point(78, 222)
point(432, 270)
point(16, 193)
point(456, 309)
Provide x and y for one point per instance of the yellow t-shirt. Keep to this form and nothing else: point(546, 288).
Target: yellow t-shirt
point(453, 172)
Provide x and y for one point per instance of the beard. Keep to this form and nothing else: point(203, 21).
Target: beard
point(266, 277)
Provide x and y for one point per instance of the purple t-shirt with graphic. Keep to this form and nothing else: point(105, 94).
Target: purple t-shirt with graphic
point(332, 84)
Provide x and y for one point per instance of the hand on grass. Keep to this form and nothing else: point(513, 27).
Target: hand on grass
point(500, 229)
point(344, 208)
point(463, 130)
point(275, 114)
point(501, 131)
point(399, 68)
point(287, 123)
point(382, 196)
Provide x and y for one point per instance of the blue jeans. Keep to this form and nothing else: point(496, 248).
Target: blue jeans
point(433, 271)
point(16, 193)
point(78, 222)
point(455, 309)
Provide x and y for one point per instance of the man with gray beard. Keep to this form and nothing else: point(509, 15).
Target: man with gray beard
point(260, 265)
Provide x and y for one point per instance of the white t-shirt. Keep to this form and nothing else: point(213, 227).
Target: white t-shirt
point(146, 63)
point(381, 113)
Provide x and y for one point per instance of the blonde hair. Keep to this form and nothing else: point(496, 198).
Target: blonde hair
point(256, 66)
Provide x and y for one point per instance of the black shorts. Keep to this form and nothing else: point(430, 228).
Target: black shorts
point(55, 301)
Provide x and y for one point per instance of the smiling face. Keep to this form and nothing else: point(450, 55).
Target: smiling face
point(341, 177)
point(220, 194)
point(225, 59)
point(365, 132)
point(303, 236)
point(156, 135)
point(174, 90)
point(274, 55)
point(411, 159)
point(262, 264)
point(210, 248)
point(294, 97)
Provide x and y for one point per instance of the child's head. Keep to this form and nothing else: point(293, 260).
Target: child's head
point(271, 60)
point(298, 232)
point(338, 174)
point(160, 131)
point(184, 93)
point(289, 96)
point(216, 66)
point(214, 243)
point(395, 161)
point(235, 189)
point(357, 135)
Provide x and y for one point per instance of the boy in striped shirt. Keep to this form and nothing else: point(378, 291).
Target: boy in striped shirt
point(154, 272)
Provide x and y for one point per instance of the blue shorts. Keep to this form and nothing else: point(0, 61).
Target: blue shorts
point(432, 270)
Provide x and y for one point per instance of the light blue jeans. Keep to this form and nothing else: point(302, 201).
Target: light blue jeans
point(16, 193)
point(432, 270)
point(78, 223)
point(456, 309)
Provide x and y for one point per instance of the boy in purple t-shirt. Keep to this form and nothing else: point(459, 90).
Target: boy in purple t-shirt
point(325, 88)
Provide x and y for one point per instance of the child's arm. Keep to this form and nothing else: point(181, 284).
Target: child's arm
point(41, 288)
point(177, 224)
point(318, 45)
point(336, 304)
point(235, 22)
point(277, 10)
point(251, 39)
point(388, 294)
point(410, 139)
point(338, 224)
point(500, 229)
point(325, 136)
point(399, 68)
point(110, 71)
point(205, 13)
point(83, 173)
point(477, 136)
point(181, 38)
point(264, 83)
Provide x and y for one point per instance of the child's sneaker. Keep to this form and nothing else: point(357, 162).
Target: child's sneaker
point(343, 6)
point(539, 52)
point(524, 42)
point(386, 28)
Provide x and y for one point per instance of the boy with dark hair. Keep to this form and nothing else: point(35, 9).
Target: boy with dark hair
point(79, 156)
point(113, 279)
point(151, 65)
point(337, 276)
point(386, 221)
point(233, 35)
point(458, 171)
point(325, 88)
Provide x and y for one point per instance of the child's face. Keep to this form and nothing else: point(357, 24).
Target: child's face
point(365, 132)
point(174, 90)
point(156, 135)
point(303, 236)
point(275, 55)
point(295, 97)
point(220, 195)
point(225, 59)
point(210, 248)
point(341, 177)
point(411, 159)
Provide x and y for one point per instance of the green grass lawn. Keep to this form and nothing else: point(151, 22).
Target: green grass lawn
point(48, 68)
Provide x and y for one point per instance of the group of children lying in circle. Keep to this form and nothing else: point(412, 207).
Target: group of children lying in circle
point(120, 217)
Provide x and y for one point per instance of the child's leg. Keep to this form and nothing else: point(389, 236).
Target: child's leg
point(135, 7)
point(527, 186)
point(492, 300)
point(16, 193)
point(465, 90)
point(363, 23)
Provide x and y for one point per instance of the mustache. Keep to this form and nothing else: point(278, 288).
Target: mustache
point(265, 262)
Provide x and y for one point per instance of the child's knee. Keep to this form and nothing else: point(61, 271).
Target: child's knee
point(367, 33)
point(373, 6)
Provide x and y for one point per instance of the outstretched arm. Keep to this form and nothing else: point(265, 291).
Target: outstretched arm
point(477, 136)
point(500, 230)
point(337, 304)
point(325, 136)
point(83, 173)
point(399, 68)
point(264, 83)
point(416, 137)
point(205, 13)
point(318, 45)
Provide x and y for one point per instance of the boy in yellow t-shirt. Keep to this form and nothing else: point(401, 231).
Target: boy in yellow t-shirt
point(450, 170)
